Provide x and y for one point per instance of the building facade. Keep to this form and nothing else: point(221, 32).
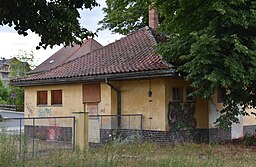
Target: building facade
point(128, 77)
point(5, 67)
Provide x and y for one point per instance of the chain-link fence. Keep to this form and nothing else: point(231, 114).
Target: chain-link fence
point(105, 128)
point(37, 136)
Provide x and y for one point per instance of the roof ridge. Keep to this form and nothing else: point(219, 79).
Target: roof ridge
point(148, 29)
point(132, 53)
point(73, 53)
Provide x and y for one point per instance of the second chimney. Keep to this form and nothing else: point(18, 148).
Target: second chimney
point(152, 17)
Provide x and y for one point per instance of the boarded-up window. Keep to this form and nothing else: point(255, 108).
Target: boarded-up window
point(41, 97)
point(177, 94)
point(56, 97)
point(92, 108)
point(91, 93)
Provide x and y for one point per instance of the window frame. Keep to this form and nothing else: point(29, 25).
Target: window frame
point(177, 94)
point(41, 102)
point(58, 101)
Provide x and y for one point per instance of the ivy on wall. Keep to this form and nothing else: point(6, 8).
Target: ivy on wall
point(181, 116)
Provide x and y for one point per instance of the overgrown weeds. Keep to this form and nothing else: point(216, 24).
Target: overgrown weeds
point(126, 154)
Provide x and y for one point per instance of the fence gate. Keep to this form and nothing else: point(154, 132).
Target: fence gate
point(37, 136)
point(105, 128)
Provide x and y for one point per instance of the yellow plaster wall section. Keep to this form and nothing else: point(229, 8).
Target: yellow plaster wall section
point(71, 102)
point(251, 119)
point(135, 100)
point(246, 120)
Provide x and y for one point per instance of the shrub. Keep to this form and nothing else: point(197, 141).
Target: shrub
point(249, 140)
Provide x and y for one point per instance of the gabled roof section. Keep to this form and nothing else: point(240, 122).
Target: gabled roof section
point(5, 61)
point(127, 57)
point(66, 54)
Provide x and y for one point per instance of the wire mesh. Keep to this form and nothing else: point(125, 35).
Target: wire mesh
point(38, 136)
point(106, 128)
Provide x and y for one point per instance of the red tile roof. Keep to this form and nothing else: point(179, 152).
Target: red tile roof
point(66, 54)
point(134, 53)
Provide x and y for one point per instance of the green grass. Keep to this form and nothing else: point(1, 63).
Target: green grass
point(146, 154)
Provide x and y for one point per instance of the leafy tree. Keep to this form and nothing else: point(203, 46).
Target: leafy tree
point(212, 44)
point(4, 94)
point(124, 16)
point(20, 64)
point(55, 21)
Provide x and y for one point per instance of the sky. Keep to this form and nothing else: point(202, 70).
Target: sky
point(11, 43)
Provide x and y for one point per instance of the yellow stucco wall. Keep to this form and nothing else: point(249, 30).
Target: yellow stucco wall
point(251, 119)
point(245, 120)
point(71, 102)
point(104, 106)
point(134, 100)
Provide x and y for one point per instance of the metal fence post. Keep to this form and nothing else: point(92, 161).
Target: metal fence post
point(20, 138)
point(100, 129)
point(33, 141)
point(129, 128)
point(141, 128)
point(74, 133)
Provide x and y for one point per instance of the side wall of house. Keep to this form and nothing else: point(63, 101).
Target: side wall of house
point(71, 102)
point(45, 128)
point(247, 124)
point(135, 100)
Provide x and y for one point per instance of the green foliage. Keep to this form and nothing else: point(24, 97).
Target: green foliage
point(182, 117)
point(8, 148)
point(125, 16)
point(146, 154)
point(4, 93)
point(213, 44)
point(249, 140)
point(20, 64)
point(55, 21)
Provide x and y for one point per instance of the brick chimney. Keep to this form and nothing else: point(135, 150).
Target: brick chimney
point(152, 17)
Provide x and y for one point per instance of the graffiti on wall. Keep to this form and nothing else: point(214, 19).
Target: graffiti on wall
point(28, 106)
point(44, 112)
point(181, 116)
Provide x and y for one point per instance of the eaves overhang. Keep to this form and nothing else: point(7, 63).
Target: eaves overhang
point(97, 78)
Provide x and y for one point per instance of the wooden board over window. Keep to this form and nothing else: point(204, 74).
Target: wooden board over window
point(91, 93)
point(56, 97)
point(42, 97)
point(92, 108)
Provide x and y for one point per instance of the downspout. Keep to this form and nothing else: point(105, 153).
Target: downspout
point(118, 93)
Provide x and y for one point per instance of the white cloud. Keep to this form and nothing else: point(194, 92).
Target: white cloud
point(11, 42)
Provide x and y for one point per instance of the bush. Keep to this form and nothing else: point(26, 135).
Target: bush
point(249, 140)
point(8, 148)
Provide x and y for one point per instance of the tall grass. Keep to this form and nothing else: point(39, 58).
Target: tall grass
point(8, 148)
point(124, 154)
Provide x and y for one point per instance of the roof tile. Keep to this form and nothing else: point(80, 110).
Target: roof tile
point(129, 54)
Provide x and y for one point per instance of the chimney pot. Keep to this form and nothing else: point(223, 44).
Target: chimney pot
point(153, 17)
